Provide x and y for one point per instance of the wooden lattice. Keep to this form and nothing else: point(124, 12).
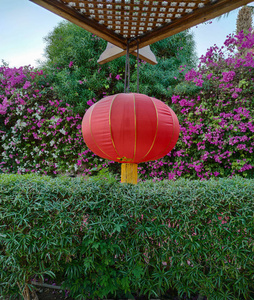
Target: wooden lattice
point(133, 18)
point(120, 21)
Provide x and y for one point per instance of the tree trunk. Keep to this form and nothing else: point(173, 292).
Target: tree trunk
point(244, 19)
point(26, 293)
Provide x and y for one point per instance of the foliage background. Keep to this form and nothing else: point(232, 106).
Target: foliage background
point(41, 110)
point(72, 53)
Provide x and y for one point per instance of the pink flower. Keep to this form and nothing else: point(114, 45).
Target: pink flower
point(90, 102)
point(171, 176)
point(118, 77)
point(190, 75)
point(26, 85)
point(4, 106)
point(228, 76)
point(70, 64)
point(198, 81)
point(209, 76)
point(175, 98)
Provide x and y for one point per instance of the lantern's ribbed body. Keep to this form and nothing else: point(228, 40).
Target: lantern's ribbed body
point(130, 128)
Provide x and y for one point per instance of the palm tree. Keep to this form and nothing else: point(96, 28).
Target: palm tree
point(243, 23)
point(244, 19)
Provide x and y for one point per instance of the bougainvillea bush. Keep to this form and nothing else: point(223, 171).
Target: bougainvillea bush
point(217, 127)
point(214, 105)
point(38, 134)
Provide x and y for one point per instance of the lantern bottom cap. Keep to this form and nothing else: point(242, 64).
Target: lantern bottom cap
point(129, 173)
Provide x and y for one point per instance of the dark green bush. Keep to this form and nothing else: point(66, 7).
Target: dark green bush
point(105, 239)
point(71, 64)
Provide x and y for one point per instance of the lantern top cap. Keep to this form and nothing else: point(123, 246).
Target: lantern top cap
point(118, 96)
point(123, 22)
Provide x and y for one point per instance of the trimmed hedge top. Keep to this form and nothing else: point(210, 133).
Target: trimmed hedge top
point(105, 238)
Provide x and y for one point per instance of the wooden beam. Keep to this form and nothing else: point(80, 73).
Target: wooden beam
point(112, 52)
point(200, 15)
point(73, 16)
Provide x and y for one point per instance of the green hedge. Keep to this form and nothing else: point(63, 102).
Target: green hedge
point(106, 239)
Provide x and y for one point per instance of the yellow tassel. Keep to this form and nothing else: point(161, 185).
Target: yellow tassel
point(129, 173)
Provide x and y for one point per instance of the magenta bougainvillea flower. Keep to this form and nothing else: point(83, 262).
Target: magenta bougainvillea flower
point(41, 134)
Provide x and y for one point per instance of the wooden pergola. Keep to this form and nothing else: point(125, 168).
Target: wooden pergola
point(142, 22)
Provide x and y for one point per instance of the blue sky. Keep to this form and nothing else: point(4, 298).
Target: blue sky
point(23, 25)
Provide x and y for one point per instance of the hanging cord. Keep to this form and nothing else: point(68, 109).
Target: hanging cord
point(127, 70)
point(137, 66)
point(128, 85)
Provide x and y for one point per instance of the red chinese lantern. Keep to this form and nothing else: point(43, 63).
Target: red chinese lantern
point(130, 129)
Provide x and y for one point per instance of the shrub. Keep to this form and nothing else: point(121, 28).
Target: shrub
point(71, 60)
point(105, 239)
point(214, 105)
point(217, 128)
point(39, 133)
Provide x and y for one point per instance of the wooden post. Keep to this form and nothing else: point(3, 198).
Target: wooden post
point(129, 173)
